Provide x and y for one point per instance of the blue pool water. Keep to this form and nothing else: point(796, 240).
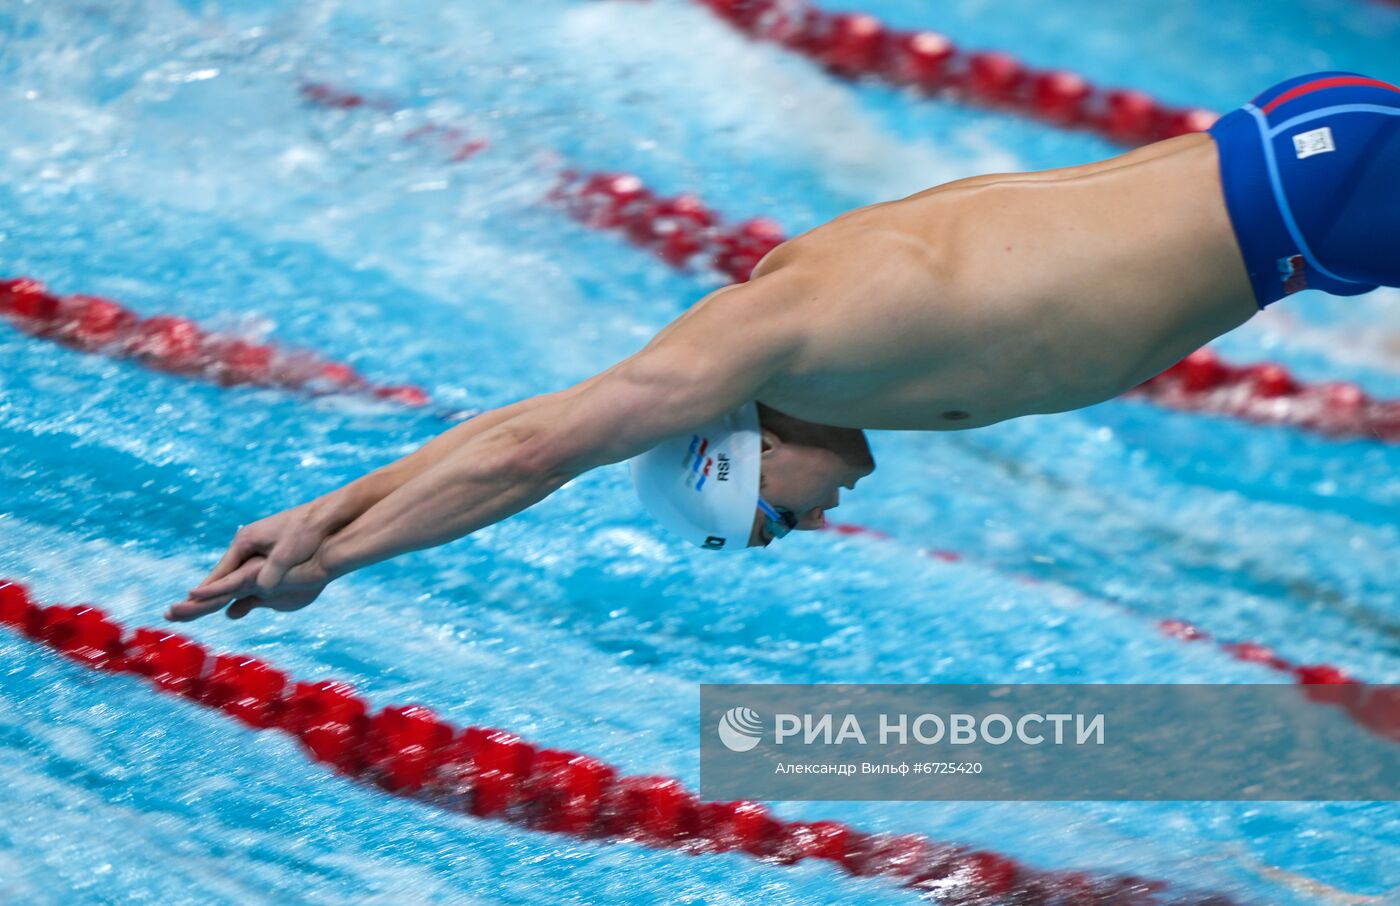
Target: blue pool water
point(158, 152)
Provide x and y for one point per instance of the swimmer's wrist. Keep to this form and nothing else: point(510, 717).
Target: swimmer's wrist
point(335, 559)
point(342, 506)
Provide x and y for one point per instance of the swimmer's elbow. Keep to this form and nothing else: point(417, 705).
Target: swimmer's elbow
point(702, 366)
point(547, 457)
point(522, 451)
point(557, 443)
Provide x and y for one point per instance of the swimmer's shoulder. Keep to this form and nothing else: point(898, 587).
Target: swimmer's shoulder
point(876, 245)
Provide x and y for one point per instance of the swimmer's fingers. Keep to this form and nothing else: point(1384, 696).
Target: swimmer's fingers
point(237, 552)
point(245, 544)
point(310, 574)
point(193, 609)
point(285, 602)
point(215, 595)
point(269, 577)
point(241, 581)
point(287, 561)
point(283, 532)
point(240, 608)
point(285, 539)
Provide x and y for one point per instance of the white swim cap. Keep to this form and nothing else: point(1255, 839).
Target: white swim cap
point(703, 485)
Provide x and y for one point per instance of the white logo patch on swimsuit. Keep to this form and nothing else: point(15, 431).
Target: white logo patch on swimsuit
point(1317, 141)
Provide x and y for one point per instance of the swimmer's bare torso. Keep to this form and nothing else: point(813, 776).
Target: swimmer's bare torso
point(1004, 295)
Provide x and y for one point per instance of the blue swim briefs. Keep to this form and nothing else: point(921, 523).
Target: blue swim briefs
point(1311, 172)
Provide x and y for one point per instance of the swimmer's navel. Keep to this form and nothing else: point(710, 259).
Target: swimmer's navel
point(956, 415)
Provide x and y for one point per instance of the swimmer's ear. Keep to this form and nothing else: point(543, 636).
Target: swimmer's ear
point(770, 441)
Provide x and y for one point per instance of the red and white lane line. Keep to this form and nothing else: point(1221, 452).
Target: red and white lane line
point(178, 345)
point(680, 229)
point(858, 45)
point(683, 231)
point(491, 773)
point(1266, 393)
point(1255, 653)
point(1376, 707)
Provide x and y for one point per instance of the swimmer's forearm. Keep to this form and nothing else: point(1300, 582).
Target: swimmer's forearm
point(456, 496)
point(449, 441)
point(342, 506)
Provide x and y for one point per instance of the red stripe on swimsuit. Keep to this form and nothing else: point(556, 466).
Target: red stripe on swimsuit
point(1334, 82)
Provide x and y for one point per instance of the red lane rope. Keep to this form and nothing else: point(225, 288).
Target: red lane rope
point(1250, 652)
point(858, 45)
point(1255, 653)
point(682, 230)
point(177, 345)
point(679, 229)
point(1263, 393)
point(490, 773)
point(1267, 393)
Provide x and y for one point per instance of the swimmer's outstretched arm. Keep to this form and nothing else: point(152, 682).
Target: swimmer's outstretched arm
point(710, 360)
point(292, 536)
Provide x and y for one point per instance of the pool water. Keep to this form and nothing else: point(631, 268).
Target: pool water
point(159, 152)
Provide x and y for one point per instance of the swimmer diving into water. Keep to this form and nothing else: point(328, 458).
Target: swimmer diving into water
point(967, 304)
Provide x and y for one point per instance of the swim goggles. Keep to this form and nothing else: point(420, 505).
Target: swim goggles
point(777, 520)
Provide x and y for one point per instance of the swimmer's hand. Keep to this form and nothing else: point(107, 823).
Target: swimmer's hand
point(302, 585)
point(273, 563)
